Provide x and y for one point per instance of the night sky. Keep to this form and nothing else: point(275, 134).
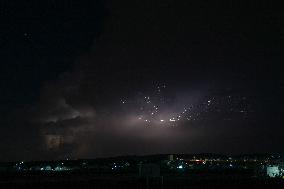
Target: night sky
point(108, 78)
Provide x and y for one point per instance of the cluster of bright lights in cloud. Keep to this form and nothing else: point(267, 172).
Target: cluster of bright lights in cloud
point(159, 108)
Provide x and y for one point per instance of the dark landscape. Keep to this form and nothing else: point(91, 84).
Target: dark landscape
point(155, 171)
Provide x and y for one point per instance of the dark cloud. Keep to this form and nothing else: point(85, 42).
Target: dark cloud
point(85, 99)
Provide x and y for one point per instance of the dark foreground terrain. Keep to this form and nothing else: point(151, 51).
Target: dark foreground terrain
point(54, 181)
